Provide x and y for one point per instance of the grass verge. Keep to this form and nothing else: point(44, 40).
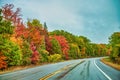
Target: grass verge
point(110, 63)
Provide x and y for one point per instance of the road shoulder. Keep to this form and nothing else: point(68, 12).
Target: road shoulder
point(109, 63)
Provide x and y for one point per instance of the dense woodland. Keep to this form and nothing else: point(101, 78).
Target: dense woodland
point(31, 42)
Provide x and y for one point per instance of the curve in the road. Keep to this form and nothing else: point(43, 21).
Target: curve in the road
point(90, 69)
point(102, 71)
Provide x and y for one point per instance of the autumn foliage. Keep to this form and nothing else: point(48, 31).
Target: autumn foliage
point(35, 54)
point(11, 15)
point(31, 43)
point(3, 64)
point(64, 45)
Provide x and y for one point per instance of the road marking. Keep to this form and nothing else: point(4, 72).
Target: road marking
point(50, 75)
point(60, 70)
point(56, 72)
point(102, 71)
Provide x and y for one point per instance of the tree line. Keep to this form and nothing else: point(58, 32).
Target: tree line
point(114, 46)
point(31, 42)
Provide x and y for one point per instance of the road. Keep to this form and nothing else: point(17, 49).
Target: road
point(82, 69)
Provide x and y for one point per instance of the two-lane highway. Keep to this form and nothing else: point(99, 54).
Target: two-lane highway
point(87, 70)
point(82, 69)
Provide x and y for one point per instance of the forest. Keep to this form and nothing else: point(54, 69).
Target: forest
point(31, 43)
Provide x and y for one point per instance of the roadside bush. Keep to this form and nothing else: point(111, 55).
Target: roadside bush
point(55, 58)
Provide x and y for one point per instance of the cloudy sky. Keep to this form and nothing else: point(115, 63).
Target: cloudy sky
point(95, 19)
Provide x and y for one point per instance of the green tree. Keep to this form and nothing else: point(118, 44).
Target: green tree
point(34, 23)
point(74, 51)
point(26, 53)
point(6, 28)
point(56, 48)
point(9, 49)
point(12, 51)
point(114, 41)
point(69, 36)
point(44, 55)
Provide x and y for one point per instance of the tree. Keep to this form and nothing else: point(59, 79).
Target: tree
point(3, 63)
point(32, 35)
point(74, 51)
point(85, 39)
point(33, 32)
point(20, 30)
point(6, 28)
point(45, 26)
point(43, 55)
point(9, 50)
point(34, 23)
point(114, 41)
point(35, 54)
point(56, 48)
point(109, 49)
point(12, 52)
point(64, 45)
point(27, 53)
point(11, 15)
point(69, 36)
point(48, 44)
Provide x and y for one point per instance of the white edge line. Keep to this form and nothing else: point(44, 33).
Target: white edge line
point(102, 71)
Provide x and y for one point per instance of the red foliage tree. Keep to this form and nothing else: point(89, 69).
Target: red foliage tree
point(64, 45)
point(3, 64)
point(7, 11)
point(32, 32)
point(14, 17)
point(33, 35)
point(48, 44)
point(11, 15)
point(20, 30)
point(35, 54)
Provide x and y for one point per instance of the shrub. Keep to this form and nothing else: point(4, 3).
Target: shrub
point(55, 58)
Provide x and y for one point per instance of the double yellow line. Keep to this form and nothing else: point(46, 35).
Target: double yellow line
point(58, 71)
point(50, 75)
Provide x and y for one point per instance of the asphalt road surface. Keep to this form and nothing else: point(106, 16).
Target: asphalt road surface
point(82, 69)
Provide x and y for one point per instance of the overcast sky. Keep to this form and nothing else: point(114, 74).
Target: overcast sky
point(95, 19)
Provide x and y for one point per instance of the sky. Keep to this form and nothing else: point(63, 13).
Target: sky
point(94, 19)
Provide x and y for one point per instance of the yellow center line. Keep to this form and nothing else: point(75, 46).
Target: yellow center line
point(60, 70)
point(50, 75)
point(56, 72)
